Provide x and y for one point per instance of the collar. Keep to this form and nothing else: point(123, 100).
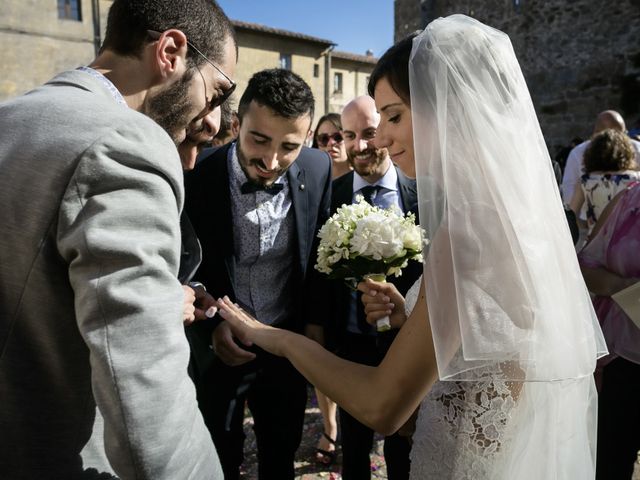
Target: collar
point(389, 180)
point(115, 93)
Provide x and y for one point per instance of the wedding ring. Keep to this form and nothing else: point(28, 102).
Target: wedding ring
point(196, 285)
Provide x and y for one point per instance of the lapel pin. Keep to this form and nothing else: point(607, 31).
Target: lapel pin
point(301, 187)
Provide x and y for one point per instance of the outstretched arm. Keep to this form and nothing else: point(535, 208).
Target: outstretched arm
point(382, 397)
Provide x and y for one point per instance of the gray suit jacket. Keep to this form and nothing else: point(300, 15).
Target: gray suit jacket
point(90, 307)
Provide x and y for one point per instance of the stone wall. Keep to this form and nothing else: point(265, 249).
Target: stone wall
point(407, 17)
point(579, 57)
point(354, 82)
point(258, 51)
point(37, 44)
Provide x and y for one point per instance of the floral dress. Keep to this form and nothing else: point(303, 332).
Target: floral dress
point(599, 188)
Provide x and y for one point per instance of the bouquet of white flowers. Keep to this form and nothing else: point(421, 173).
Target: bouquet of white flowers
point(363, 241)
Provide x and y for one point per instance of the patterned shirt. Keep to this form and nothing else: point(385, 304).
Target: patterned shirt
point(264, 241)
point(115, 93)
point(599, 189)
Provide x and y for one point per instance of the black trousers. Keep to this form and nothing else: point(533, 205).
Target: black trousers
point(618, 420)
point(276, 395)
point(357, 438)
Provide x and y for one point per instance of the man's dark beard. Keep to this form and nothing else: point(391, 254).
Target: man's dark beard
point(380, 155)
point(244, 163)
point(171, 108)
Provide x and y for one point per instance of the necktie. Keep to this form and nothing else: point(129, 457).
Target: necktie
point(368, 193)
point(250, 187)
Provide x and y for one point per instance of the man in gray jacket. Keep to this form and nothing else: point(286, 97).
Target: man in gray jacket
point(90, 306)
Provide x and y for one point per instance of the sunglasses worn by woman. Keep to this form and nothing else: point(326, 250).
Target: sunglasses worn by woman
point(328, 138)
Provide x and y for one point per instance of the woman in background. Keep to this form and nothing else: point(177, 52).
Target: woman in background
point(328, 138)
point(610, 166)
point(610, 262)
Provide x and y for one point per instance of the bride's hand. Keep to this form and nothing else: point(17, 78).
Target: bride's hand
point(382, 299)
point(249, 330)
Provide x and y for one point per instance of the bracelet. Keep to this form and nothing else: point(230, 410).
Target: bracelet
point(195, 285)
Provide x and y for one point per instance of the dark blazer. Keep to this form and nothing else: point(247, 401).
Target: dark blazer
point(208, 205)
point(336, 324)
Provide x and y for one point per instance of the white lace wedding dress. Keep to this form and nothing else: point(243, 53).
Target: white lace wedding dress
point(490, 430)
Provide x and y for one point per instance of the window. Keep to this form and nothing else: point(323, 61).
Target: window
point(337, 83)
point(285, 61)
point(316, 70)
point(69, 10)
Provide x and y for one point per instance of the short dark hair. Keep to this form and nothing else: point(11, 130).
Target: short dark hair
point(394, 66)
point(609, 150)
point(282, 91)
point(226, 118)
point(333, 118)
point(202, 21)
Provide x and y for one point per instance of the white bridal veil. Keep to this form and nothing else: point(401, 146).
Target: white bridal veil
point(503, 282)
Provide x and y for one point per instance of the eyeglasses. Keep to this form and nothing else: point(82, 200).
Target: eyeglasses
point(323, 138)
point(226, 93)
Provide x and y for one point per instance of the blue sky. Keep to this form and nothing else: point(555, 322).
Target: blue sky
point(355, 25)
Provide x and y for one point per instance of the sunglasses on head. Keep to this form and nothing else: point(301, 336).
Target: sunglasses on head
point(323, 138)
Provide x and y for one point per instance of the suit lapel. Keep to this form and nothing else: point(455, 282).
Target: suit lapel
point(342, 193)
point(223, 228)
point(408, 193)
point(300, 202)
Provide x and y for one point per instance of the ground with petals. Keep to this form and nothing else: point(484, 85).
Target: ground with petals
point(306, 467)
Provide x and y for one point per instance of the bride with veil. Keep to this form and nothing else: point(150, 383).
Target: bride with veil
point(498, 341)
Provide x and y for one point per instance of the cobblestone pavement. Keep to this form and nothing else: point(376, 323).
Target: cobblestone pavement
point(306, 468)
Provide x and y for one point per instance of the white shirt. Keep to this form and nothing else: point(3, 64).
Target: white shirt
point(388, 194)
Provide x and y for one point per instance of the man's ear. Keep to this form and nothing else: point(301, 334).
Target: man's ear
point(171, 53)
point(235, 125)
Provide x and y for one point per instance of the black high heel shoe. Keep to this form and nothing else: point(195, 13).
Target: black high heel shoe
point(327, 457)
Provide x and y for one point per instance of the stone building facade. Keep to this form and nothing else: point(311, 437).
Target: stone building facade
point(40, 42)
point(334, 77)
point(349, 77)
point(579, 57)
point(261, 47)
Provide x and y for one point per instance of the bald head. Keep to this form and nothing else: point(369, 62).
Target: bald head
point(361, 106)
point(609, 119)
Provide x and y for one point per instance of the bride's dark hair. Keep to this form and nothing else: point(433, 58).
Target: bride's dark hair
point(394, 66)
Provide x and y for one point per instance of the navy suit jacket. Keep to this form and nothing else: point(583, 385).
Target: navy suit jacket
point(208, 205)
